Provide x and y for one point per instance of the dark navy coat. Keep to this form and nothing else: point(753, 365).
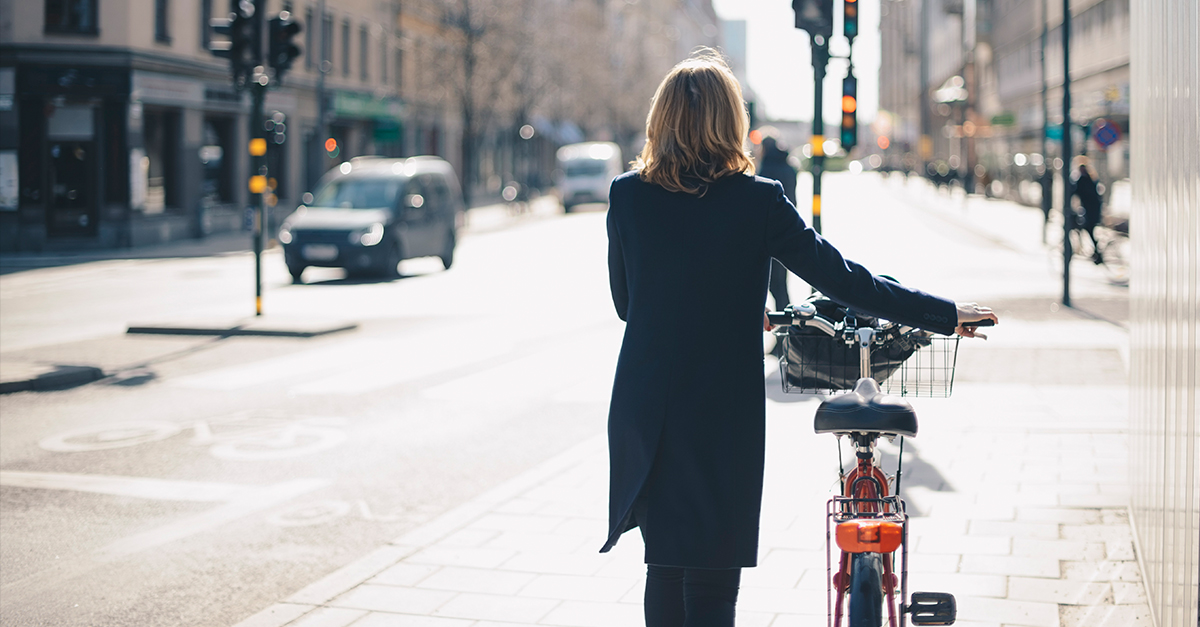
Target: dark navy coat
point(686, 424)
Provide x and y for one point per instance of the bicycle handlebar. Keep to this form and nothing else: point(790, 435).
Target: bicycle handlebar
point(806, 315)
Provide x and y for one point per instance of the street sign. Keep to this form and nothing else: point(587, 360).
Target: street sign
point(1105, 134)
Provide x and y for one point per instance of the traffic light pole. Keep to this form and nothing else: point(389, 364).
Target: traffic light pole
point(258, 181)
point(820, 58)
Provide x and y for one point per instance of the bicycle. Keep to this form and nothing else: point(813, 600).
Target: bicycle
point(1110, 251)
point(868, 520)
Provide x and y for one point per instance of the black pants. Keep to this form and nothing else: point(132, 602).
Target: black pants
point(690, 597)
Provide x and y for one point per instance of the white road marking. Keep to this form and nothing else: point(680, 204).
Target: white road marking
point(239, 501)
point(139, 487)
point(258, 500)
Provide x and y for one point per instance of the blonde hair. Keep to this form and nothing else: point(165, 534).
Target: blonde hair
point(696, 129)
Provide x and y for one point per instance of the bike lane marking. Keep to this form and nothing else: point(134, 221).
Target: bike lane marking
point(238, 501)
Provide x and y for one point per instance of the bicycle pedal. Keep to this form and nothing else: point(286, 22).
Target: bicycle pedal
point(932, 608)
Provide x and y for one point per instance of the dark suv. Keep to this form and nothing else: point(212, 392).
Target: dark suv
point(369, 214)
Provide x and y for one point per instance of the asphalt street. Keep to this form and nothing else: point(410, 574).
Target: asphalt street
point(205, 478)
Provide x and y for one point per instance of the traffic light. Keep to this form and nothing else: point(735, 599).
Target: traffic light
point(282, 50)
point(242, 44)
point(849, 111)
point(850, 19)
point(814, 16)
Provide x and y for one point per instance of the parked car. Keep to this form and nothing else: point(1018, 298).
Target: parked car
point(585, 172)
point(370, 213)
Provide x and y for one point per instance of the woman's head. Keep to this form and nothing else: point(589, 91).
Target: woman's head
point(696, 129)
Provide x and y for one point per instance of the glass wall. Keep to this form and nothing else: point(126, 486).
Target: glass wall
point(1165, 305)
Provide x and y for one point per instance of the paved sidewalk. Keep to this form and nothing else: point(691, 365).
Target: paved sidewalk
point(1018, 492)
point(1017, 486)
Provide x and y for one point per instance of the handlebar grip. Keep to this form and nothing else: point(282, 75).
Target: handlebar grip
point(779, 318)
point(987, 322)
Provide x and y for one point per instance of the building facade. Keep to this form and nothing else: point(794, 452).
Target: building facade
point(1165, 307)
point(120, 128)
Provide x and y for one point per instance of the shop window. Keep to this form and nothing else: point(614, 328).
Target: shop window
point(217, 161)
point(159, 132)
point(205, 29)
point(71, 16)
point(162, 21)
point(364, 40)
point(346, 48)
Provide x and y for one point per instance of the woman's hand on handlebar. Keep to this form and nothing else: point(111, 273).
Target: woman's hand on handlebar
point(767, 326)
point(972, 316)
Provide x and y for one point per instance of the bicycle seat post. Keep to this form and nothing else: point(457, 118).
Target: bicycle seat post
point(865, 336)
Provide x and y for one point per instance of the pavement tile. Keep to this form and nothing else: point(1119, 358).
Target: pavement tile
point(276, 615)
point(965, 545)
point(1058, 515)
point(754, 619)
point(1119, 550)
point(1102, 571)
point(1094, 500)
point(959, 584)
point(328, 617)
point(1058, 549)
point(1107, 616)
point(782, 568)
point(595, 529)
point(1061, 591)
point(392, 599)
point(498, 608)
point(556, 564)
point(538, 542)
point(467, 538)
point(1008, 612)
point(461, 556)
point(811, 619)
point(1098, 533)
point(383, 619)
point(518, 522)
point(1126, 593)
point(403, 574)
point(589, 614)
point(778, 601)
point(519, 505)
point(350, 575)
point(574, 588)
point(637, 593)
point(1010, 565)
point(1038, 530)
point(476, 580)
point(934, 563)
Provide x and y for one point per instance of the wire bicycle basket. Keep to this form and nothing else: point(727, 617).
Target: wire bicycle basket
point(913, 364)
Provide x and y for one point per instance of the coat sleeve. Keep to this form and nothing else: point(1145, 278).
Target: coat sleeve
point(617, 281)
point(815, 260)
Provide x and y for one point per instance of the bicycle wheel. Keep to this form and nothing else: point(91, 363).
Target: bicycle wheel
point(866, 590)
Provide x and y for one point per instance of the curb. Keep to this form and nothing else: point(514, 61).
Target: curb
point(248, 329)
point(62, 377)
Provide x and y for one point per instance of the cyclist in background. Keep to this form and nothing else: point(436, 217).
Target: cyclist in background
point(691, 235)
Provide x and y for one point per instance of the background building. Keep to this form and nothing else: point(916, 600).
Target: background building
point(121, 129)
point(974, 86)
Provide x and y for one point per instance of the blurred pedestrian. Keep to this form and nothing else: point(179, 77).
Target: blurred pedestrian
point(773, 164)
point(1047, 196)
point(691, 235)
point(1089, 198)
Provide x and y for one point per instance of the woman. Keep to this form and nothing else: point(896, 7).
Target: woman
point(691, 236)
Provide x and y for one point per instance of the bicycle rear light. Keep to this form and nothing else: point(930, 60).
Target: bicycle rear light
point(869, 536)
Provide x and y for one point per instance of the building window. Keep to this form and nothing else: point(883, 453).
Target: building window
point(161, 21)
point(309, 37)
point(346, 48)
point(205, 29)
point(383, 60)
point(217, 161)
point(364, 39)
point(71, 16)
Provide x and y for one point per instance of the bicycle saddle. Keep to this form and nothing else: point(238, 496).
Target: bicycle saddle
point(868, 410)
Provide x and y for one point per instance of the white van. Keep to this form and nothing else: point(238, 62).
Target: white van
point(585, 172)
